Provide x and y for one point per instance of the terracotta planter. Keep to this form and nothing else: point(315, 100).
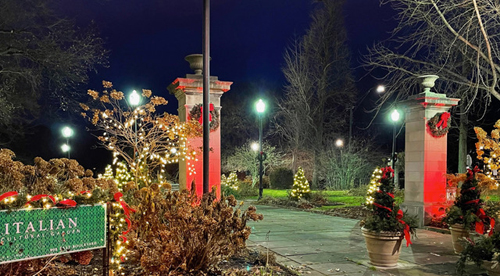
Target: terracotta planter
point(491, 271)
point(457, 234)
point(383, 248)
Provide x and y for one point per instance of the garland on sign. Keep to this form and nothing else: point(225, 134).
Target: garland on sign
point(439, 125)
point(196, 113)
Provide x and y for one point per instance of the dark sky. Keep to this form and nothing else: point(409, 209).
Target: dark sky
point(149, 39)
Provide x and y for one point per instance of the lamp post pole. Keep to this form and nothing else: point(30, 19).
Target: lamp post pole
point(261, 106)
point(395, 119)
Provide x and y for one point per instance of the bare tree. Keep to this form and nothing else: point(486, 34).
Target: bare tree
point(320, 88)
point(44, 61)
point(455, 39)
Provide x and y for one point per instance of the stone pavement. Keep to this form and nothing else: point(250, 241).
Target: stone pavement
point(318, 244)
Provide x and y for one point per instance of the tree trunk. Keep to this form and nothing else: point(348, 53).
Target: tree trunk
point(462, 140)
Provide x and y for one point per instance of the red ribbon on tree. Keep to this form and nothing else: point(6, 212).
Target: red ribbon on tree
point(382, 206)
point(209, 114)
point(406, 231)
point(38, 197)
point(8, 194)
point(391, 195)
point(480, 224)
point(127, 210)
point(443, 120)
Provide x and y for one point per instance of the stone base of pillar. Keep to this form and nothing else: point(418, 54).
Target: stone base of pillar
point(415, 209)
point(425, 213)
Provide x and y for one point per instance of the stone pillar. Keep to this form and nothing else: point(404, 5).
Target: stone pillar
point(425, 155)
point(189, 92)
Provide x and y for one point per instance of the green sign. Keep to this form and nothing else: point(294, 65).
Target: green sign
point(36, 233)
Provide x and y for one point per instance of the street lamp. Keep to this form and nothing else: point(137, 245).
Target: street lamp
point(395, 118)
point(380, 89)
point(260, 106)
point(67, 132)
point(255, 146)
point(65, 148)
point(134, 99)
point(339, 143)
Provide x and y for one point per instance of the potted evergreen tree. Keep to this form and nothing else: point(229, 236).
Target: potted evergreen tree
point(386, 226)
point(467, 213)
point(485, 252)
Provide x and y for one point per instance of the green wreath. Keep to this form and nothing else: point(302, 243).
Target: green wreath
point(439, 125)
point(195, 114)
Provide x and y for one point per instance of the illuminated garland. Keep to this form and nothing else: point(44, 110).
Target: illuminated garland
point(373, 187)
point(196, 114)
point(439, 125)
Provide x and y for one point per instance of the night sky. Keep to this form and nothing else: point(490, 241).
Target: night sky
point(148, 41)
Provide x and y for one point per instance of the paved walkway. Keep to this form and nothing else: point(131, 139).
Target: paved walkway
point(318, 244)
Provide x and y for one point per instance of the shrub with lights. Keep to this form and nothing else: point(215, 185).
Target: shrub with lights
point(385, 216)
point(300, 188)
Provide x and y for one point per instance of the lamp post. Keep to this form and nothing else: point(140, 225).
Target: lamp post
point(395, 119)
point(67, 132)
point(134, 99)
point(260, 107)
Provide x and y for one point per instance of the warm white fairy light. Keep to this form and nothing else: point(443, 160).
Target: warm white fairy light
point(373, 187)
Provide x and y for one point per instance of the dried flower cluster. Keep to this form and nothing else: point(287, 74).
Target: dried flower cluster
point(56, 176)
point(179, 234)
point(488, 148)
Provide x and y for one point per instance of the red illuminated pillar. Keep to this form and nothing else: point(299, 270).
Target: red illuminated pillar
point(425, 154)
point(189, 92)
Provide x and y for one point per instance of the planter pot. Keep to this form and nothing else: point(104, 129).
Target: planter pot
point(458, 232)
point(383, 248)
point(491, 271)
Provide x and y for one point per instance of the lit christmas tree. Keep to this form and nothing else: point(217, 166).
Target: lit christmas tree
point(300, 186)
point(231, 181)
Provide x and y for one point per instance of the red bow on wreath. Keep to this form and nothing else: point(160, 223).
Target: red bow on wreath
point(443, 120)
point(209, 114)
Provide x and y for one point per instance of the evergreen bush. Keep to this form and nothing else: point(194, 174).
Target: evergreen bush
point(281, 178)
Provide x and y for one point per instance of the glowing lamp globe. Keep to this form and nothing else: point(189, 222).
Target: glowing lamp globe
point(65, 147)
point(255, 146)
point(134, 98)
point(67, 132)
point(339, 143)
point(380, 89)
point(395, 115)
point(261, 106)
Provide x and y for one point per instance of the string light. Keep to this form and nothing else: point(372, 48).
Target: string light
point(373, 187)
point(300, 185)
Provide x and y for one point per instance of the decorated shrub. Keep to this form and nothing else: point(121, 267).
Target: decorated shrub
point(230, 184)
point(467, 208)
point(300, 188)
point(385, 215)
